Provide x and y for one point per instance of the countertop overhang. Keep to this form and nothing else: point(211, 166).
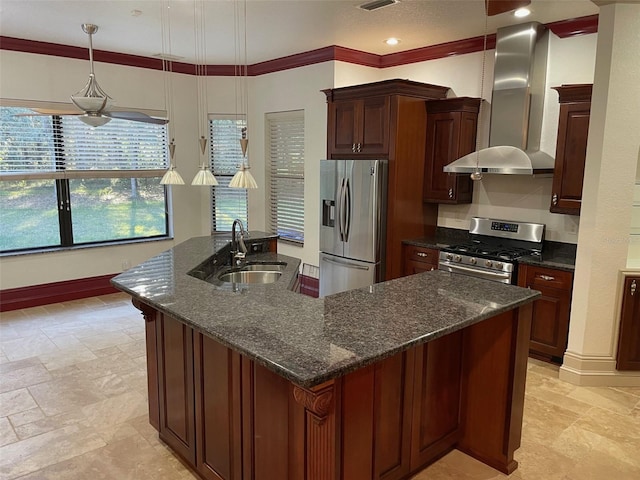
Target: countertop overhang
point(308, 340)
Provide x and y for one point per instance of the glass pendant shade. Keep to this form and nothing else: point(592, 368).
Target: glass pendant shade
point(94, 119)
point(243, 179)
point(172, 177)
point(204, 177)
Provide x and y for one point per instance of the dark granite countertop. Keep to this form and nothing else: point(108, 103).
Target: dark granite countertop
point(308, 340)
point(559, 255)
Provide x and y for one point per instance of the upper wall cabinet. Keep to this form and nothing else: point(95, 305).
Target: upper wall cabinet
point(362, 118)
point(573, 127)
point(451, 133)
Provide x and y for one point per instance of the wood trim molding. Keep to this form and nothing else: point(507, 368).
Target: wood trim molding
point(564, 28)
point(44, 294)
point(575, 26)
point(319, 403)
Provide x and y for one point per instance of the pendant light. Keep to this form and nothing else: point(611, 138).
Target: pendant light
point(476, 176)
point(171, 177)
point(243, 178)
point(204, 176)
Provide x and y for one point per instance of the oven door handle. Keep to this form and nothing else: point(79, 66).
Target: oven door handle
point(506, 277)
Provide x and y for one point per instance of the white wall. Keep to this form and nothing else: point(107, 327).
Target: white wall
point(297, 89)
point(41, 77)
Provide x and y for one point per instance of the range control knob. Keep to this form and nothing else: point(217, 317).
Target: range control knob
point(448, 256)
point(473, 261)
point(498, 265)
point(457, 258)
point(488, 263)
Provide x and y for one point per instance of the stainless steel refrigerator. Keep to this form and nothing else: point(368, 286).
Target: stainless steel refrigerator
point(353, 202)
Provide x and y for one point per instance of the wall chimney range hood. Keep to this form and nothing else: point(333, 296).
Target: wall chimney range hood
point(519, 85)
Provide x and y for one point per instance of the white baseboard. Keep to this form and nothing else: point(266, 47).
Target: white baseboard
point(592, 371)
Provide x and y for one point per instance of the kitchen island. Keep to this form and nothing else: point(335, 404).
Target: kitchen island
point(257, 381)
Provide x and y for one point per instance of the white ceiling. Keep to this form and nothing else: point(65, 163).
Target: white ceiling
point(276, 28)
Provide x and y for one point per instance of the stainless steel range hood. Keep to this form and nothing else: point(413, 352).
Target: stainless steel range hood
point(517, 102)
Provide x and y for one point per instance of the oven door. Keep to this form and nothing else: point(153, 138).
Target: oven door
point(493, 275)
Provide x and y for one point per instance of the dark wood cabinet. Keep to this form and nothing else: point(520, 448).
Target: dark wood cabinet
point(217, 410)
point(360, 126)
point(451, 133)
point(550, 322)
point(628, 357)
point(388, 120)
point(176, 386)
point(571, 148)
point(419, 259)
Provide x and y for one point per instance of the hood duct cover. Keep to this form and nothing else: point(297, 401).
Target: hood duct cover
point(519, 85)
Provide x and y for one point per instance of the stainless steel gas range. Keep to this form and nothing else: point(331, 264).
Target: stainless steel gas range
point(493, 249)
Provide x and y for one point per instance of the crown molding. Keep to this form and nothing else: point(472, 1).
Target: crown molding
point(563, 29)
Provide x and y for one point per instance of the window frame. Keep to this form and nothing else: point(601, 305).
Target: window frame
point(271, 213)
point(223, 174)
point(62, 178)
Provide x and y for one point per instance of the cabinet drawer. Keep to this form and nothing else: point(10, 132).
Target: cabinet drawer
point(422, 254)
point(546, 277)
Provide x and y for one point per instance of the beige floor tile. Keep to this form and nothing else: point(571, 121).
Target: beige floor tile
point(614, 400)
point(7, 434)
point(31, 346)
point(543, 421)
point(599, 466)
point(24, 377)
point(65, 394)
point(64, 357)
point(27, 416)
point(115, 410)
point(38, 452)
point(117, 363)
point(16, 401)
point(48, 424)
point(134, 349)
point(530, 467)
point(105, 340)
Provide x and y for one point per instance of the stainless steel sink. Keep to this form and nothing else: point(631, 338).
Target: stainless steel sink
point(254, 272)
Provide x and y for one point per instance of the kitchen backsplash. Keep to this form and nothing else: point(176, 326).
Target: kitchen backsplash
point(510, 197)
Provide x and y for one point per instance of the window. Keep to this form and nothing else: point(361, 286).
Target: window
point(63, 183)
point(285, 150)
point(227, 203)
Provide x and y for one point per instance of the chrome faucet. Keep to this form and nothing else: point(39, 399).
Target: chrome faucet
point(238, 248)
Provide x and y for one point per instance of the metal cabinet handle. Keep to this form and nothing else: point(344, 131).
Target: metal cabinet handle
point(633, 287)
point(422, 254)
point(554, 199)
point(451, 193)
point(353, 148)
point(359, 147)
point(548, 278)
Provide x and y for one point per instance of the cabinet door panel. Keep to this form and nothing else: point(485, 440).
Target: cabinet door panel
point(176, 384)
point(392, 404)
point(442, 132)
point(217, 371)
point(342, 134)
point(629, 341)
point(436, 398)
point(374, 136)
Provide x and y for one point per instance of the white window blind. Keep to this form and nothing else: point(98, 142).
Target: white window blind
point(227, 203)
point(285, 140)
point(54, 146)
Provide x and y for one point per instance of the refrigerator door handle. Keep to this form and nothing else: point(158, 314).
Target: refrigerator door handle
point(347, 213)
point(339, 208)
point(344, 263)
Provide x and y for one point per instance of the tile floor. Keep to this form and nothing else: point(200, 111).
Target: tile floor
point(73, 406)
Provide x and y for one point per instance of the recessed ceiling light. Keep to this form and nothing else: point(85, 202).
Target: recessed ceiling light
point(136, 13)
point(522, 12)
point(392, 41)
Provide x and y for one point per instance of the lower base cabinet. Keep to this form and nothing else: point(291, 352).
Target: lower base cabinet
point(628, 356)
point(229, 418)
point(550, 322)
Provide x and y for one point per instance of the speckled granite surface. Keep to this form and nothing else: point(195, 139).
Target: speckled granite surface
point(554, 254)
point(309, 340)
